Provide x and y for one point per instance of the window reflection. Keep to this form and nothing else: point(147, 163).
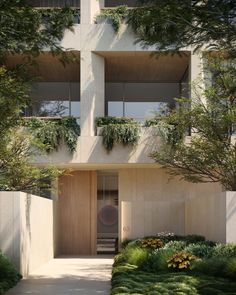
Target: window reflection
point(54, 99)
point(140, 111)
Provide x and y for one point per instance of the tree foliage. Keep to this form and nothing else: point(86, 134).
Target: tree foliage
point(210, 154)
point(26, 31)
point(175, 24)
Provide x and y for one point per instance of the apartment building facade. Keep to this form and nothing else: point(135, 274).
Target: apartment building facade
point(122, 194)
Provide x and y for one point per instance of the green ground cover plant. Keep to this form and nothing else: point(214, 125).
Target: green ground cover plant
point(8, 274)
point(176, 265)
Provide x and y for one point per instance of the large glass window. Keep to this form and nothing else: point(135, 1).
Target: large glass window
point(140, 101)
point(55, 99)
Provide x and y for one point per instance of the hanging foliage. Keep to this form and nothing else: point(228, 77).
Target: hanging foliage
point(118, 130)
point(51, 133)
point(115, 15)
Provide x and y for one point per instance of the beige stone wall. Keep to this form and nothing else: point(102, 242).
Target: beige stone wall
point(150, 203)
point(26, 230)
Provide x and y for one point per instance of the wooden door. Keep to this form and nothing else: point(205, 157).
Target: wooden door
point(76, 213)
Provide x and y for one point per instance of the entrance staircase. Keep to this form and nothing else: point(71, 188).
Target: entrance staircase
point(107, 245)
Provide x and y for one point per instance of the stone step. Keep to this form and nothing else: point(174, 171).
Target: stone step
point(106, 241)
point(106, 250)
point(107, 245)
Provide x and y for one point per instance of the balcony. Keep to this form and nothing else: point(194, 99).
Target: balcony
point(140, 86)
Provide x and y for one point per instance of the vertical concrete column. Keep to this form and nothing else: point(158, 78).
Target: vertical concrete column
point(89, 9)
point(92, 91)
point(196, 74)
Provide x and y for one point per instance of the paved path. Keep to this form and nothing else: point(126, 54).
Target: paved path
point(72, 276)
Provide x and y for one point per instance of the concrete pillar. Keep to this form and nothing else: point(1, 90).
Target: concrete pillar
point(92, 91)
point(89, 10)
point(196, 74)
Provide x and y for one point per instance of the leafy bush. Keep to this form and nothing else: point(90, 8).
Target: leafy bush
point(200, 250)
point(125, 243)
point(225, 250)
point(214, 266)
point(181, 260)
point(189, 239)
point(157, 260)
point(151, 243)
point(119, 259)
point(230, 269)
point(8, 274)
point(151, 122)
point(175, 245)
point(136, 256)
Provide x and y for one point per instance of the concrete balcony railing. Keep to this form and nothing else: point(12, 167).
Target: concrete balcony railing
point(91, 151)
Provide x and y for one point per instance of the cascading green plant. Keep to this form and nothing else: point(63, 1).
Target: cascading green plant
point(52, 132)
point(115, 15)
point(118, 130)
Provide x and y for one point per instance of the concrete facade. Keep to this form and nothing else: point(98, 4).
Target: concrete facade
point(148, 201)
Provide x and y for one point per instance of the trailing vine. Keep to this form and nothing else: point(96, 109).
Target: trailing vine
point(118, 130)
point(52, 132)
point(115, 15)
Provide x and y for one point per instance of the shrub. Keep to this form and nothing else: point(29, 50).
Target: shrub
point(225, 250)
point(151, 243)
point(165, 236)
point(200, 250)
point(175, 245)
point(136, 256)
point(181, 260)
point(230, 269)
point(214, 266)
point(8, 274)
point(190, 239)
point(157, 260)
point(118, 259)
point(125, 243)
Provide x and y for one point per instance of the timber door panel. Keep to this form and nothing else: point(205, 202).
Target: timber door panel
point(77, 213)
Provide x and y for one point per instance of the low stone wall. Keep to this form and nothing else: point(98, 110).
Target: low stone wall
point(212, 215)
point(26, 230)
point(150, 203)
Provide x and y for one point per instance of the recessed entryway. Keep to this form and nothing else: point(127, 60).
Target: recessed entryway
point(107, 212)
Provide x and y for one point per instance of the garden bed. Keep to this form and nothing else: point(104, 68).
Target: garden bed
point(8, 274)
point(168, 264)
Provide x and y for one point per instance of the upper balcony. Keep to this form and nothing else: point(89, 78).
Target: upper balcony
point(136, 86)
